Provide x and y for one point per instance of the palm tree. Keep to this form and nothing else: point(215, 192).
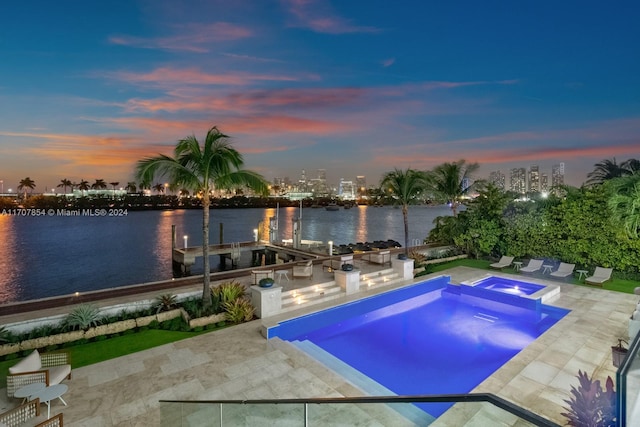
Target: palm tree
point(25, 184)
point(451, 181)
point(406, 188)
point(625, 203)
point(131, 187)
point(99, 185)
point(158, 188)
point(64, 183)
point(604, 171)
point(114, 184)
point(632, 166)
point(215, 164)
point(83, 186)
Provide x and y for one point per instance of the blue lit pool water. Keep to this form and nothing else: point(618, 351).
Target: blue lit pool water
point(503, 284)
point(429, 338)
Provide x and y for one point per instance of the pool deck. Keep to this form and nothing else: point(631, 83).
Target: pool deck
point(238, 363)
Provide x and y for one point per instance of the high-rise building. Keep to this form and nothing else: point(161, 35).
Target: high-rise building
point(544, 183)
point(347, 190)
point(557, 175)
point(497, 178)
point(534, 179)
point(518, 180)
point(361, 183)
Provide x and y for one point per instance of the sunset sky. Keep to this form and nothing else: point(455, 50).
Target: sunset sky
point(351, 86)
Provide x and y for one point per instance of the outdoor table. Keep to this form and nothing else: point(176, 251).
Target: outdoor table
point(581, 274)
point(546, 268)
point(47, 394)
point(29, 390)
point(517, 265)
point(281, 273)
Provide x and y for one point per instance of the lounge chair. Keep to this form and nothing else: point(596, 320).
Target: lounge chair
point(303, 269)
point(564, 270)
point(504, 262)
point(533, 266)
point(600, 276)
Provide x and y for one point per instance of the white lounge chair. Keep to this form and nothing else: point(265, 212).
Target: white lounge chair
point(303, 269)
point(504, 262)
point(600, 276)
point(533, 266)
point(564, 270)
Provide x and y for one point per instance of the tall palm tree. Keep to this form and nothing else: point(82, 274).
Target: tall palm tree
point(64, 183)
point(131, 187)
point(406, 188)
point(214, 164)
point(451, 181)
point(632, 166)
point(25, 184)
point(625, 203)
point(99, 185)
point(83, 186)
point(604, 171)
point(158, 188)
point(114, 184)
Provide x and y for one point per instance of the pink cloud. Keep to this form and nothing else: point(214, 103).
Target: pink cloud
point(388, 62)
point(319, 17)
point(191, 37)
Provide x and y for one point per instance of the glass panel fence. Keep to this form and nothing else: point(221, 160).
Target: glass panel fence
point(628, 386)
point(338, 414)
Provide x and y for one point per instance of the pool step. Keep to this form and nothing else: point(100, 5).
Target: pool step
point(321, 292)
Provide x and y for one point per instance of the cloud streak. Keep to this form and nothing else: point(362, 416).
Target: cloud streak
point(318, 16)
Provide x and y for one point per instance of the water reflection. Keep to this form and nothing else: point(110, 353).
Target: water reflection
point(10, 264)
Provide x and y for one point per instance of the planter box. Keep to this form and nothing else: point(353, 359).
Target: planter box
point(111, 328)
point(51, 340)
point(145, 321)
point(168, 315)
point(204, 321)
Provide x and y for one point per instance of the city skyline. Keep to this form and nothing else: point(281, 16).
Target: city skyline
point(356, 88)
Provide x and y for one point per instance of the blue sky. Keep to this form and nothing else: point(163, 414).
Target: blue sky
point(353, 87)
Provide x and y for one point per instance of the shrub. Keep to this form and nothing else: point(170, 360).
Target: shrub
point(154, 324)
point(590, 405)
point(82, 317)
point(101, 338)
point(239, 310)
point(4, 334)
point(228, 292)
point(165, 302)
point(198, 329)
point(418, 258)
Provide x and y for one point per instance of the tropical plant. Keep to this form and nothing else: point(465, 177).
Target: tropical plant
point(239, 310)
point(215, 164)
point(624, 203)
point(26, 184)
point(604, 171)
point(64, 183)
point(82, 317)
point(418, 258)
point(229, 291)
point(4, 334)
point(590, 405)
point(451, 181)
point(632, 166)
point(99, 185)
point(407, 188)
point(165, 302)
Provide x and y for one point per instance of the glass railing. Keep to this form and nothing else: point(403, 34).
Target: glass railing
point(468, 409)
point(628, 386)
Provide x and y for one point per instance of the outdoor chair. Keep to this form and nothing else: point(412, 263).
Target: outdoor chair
point(564, 270)
point(504, 262)
point(303, 269)
point(47, 368)
point(261, 274)
point(600, 275)
point(533, 266)
point(379, 257)
point(337, 263)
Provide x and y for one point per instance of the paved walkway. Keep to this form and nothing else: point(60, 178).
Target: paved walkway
point(238, 363)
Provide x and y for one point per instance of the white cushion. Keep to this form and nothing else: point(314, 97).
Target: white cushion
point(28, 364)
point(58, 373)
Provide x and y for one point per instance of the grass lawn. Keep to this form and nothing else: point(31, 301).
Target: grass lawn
point(98, 351)
point(618, 285)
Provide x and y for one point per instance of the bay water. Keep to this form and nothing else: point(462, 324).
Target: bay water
point(47, 256)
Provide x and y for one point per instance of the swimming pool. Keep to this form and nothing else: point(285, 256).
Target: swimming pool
point(428, 338)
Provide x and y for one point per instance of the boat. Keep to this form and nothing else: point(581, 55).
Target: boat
point(333, 206)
